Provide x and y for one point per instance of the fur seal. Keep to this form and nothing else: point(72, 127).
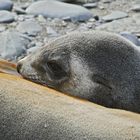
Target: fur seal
point(98, 66)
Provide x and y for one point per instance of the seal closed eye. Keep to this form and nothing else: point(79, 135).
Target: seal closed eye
point(98, 66)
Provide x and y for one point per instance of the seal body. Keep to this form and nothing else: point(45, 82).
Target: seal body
point(98, 66)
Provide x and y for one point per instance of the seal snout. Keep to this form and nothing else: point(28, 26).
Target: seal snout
point(19, 66)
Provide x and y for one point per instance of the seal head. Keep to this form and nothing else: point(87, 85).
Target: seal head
point(98, 66)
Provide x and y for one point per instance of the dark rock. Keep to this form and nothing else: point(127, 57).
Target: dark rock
point(12, 44)
point(131, 37)
point(115, 15)
point(6, 17)
point(6, 5)
point(56, 9)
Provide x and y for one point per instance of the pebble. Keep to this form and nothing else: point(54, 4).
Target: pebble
point(51, 32)
point(6, 5)
point(86, 1)
point(136, 8)
point(2, 28)
point(6, 16)
point(76, 1)
point(106, 1)
point(30, 27)
point(32, 50)
point(131, 37)
point(114, 16)
point(130, 24)
point(90, 5)
point(19, 10)
point(12, 44)
point(56, 9)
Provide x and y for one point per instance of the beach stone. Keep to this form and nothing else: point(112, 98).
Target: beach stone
point(131, 37)
point(30, 27)
point(19, 10)
point(90, 5)
point(6, 17)
point(87, 1)
point(75, 1)
point(2, 28)
point(12, 44)
point(136, 8)
point(56, 9)
point(114, 16)
point(51, 32)
point(130, 24)
point(32, 50)
point(6, 5)
point(106, 1)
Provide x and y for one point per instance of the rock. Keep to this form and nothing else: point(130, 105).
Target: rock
point(2, 28)
point(6, 5)
point(86, 1)
point(106, 1)
point(75, 1)
point(6, 17)
point(32, 50)
point(19, 10)
point(131, 24)
point(136, 8)
point(30, 27)
point(90, 5)
point(56, 9)
point(12, 44)
point(51, 32)
point(115, 15)
point(131, 37)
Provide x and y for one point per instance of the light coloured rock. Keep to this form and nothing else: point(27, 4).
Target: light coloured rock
point(56, 9)
point(6, 17)
point(30, 27)
point(12, 44)
point(126, 24)
point(136, 8)
point(90, 5)
point(115, 15)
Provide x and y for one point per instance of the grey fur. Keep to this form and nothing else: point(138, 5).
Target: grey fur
point(101, 67)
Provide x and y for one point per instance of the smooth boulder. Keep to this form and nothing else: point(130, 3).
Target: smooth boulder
point(12, 44)
point(56, 9)
point(6, 16)
point(6, 5)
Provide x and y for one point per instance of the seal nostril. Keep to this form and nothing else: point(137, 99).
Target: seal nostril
point(19, 65)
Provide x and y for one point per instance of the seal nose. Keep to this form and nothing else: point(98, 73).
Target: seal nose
point(19, 66)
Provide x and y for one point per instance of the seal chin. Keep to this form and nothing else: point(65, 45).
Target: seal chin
point(35, 78)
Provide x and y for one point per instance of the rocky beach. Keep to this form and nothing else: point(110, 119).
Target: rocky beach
point(26, 25)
